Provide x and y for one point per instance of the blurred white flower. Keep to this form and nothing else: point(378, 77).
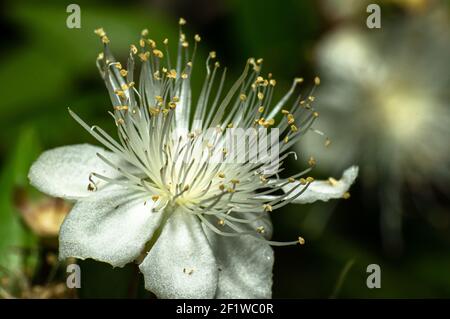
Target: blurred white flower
point(384, 104)
point(203, 224)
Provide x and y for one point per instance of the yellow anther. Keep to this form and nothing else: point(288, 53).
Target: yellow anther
point(346, 195)
point(272, 82)
point(221, 175)
point(118, 65)
point(142, 43)
point(310, 179)
point(332, 181)
point(261, 121)
point(317, 80)
point(242, 97)
point(221, 222)
point(100, 56)
point(298, 80)
point(316, 114)
point(171, 74)
point(189, 64)
point(312, 161)
point(217, 64)
point(133, 49)
point(259, 61)
point(186, 187)
point(105, 39)
point(303, 181)
point(185, 44)
point(260, 230)
point(158, 53)
point(285, 112)
point(144, 56)
point(144, 32)
point(184, 75)
point(119, 93)
point(123, 72)
point(172, 105)
point(197, 38)
point(152, 43)
point(311, 98)
point(260, 96)
point(153, 110)
point(290, 119)
point(230, 190)
point(176, 99)
point(263, 178)
point(212, 54)
point(286, 139)
point(100, 32)
point(302, 102)
point(261, 109)
point(230, 125)
point(291, 180)
point(294, 128)
point(267, 207)
point(119, 121)
point(301, 240)
point(166, 41)
point(269, 123)
point(235, 181)
point(182, 21)
point(155, 198)
point(124, 87)
point(159, 98)
point(121, 108)
point(221, 187)
point(259, 79)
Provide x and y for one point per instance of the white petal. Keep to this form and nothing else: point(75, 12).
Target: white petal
point(112, 225)
point(181, 263)
point(245, 263)
point(324, 190)
point(64, 171)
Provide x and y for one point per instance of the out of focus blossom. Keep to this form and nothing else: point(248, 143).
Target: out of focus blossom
point(384, 105)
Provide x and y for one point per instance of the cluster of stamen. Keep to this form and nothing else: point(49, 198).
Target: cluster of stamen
point(175, 169)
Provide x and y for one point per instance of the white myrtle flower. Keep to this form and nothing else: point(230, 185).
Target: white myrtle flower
point(202, 227)
point(384, 103)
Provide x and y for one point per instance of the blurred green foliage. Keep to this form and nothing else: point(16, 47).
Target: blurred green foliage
point(46, 67)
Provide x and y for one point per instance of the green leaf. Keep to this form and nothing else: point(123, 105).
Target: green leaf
point(14, 236)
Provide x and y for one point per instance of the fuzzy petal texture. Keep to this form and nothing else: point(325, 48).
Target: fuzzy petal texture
point(245, 263)
point(324, 190)
point(64, 171)
point(112, 225)
point(181, 264)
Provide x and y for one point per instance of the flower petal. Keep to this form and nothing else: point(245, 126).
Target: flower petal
point(64, 171)
point(324, 190)
point(112, 225)
point(181, 263)
point(245, 263)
